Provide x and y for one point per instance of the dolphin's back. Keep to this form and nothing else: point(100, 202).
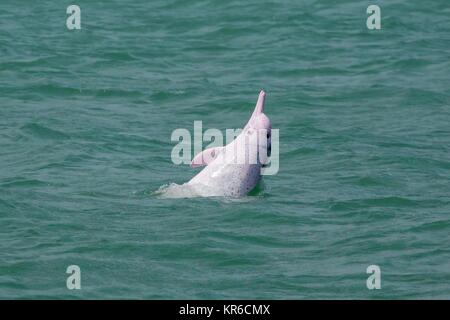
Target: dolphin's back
point(231, 180)
point(222, 178)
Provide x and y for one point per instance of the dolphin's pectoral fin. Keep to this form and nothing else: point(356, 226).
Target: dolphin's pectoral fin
point(205, 157)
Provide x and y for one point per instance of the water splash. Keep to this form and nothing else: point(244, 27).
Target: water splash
point(185, 190)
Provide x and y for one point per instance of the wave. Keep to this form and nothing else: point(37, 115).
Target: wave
point(44, 132)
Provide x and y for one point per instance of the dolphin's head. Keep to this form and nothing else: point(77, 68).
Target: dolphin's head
point(259, 123)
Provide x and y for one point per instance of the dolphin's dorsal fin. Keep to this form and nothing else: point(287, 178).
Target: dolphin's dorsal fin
point(205, 157)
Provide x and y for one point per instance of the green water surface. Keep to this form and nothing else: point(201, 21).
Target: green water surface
point(86, 118)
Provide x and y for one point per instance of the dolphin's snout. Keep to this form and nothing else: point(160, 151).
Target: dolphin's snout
point(260, 103)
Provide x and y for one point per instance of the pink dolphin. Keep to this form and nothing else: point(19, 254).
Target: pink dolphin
point(235, 169)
